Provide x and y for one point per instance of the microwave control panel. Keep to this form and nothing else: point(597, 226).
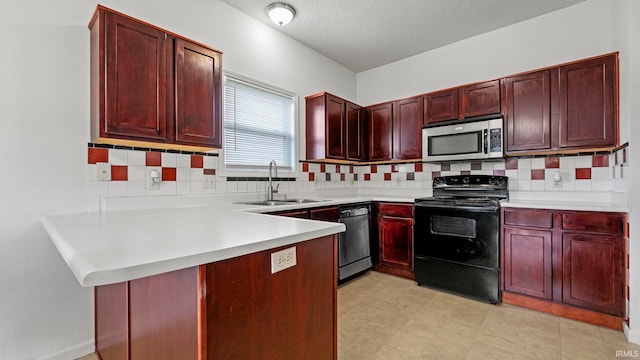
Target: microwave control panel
point(495, 140)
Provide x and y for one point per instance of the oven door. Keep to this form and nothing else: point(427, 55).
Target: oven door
point(464, 235)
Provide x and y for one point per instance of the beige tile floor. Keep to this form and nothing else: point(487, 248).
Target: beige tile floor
point(383, 317)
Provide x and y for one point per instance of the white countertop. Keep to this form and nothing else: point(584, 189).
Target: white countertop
point(131, 241)
point(606, 202)
point(137, 237)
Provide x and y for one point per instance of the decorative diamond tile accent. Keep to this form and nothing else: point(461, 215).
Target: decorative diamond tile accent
point(418, 167)
point(374, 169)
point(387, 176)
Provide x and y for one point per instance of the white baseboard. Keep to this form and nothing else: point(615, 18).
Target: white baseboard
point(72, 352)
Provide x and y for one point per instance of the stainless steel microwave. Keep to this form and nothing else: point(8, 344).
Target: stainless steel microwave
point(467, 141)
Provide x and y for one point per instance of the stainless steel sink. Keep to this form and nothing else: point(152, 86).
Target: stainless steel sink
point(266, 202)
point(281, 202)
point(304, 201)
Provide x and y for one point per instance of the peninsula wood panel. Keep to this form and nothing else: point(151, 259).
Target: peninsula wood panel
point(111, 321)
point(253, 314)
point(164, 316)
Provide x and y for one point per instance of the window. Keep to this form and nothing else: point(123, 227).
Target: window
point(259, 126)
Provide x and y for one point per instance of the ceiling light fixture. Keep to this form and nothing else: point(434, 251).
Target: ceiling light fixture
point(281, 13)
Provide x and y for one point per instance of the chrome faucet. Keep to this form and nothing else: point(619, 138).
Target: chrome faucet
point(271, 190)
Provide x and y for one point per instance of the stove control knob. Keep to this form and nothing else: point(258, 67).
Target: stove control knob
point(465, 180)
point(492, 181)
point(500, 181)
point(438, 181)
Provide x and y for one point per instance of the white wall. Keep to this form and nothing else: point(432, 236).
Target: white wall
point(44, 116)
point(629, 35)
point(572, 33)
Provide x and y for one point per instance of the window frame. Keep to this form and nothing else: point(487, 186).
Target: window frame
point(260, 171)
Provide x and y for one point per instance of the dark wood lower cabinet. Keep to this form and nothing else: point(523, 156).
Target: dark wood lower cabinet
point(231, 309)
point(395, 239)
point(528, 267)
point(568, 263)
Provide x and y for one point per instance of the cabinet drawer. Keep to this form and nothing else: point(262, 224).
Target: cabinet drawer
point(397, 209)
point(606, 223)
point(528, 217)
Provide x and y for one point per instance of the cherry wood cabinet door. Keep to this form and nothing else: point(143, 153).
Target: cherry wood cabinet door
point(593, 272)
point(356, 132)
point(528, 266)
point(198, 107)
point(407, 128)
point(441, 106)
point(588, 103)
point(330, 213)
point(395, 235)
point(135, 80)
point(480, 99)
point(381, 131)
point(528, 112)
point(335, 117)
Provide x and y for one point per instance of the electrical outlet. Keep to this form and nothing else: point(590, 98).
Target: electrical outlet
point(104, 171)
point(154, 178)
point(209, 181)
point(283, 259)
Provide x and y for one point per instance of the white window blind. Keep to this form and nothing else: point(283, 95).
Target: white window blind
point(259, 126)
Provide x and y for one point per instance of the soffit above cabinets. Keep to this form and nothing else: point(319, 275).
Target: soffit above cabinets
point(364, 34)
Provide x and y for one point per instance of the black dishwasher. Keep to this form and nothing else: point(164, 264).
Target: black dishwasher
point(354, 250)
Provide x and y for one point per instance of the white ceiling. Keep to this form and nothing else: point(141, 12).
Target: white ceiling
point(363, 34)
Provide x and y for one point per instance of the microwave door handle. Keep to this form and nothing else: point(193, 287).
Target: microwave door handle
point(486, 141)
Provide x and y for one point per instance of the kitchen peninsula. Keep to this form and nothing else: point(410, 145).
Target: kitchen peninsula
point(196, 282)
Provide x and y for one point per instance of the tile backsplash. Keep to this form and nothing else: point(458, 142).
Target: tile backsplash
point(192, 173)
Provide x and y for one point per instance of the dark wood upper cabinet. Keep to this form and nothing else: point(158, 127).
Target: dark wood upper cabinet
point(356, 132)
point(381, 131)
point(563, 109)
point(407, 128)
point(528, 112)
point(335, 128)
point(151, 85)
point(198, 88)
point(129, 65)
point(441, 106)
point(462, 102)
point(588, 103)
point(480, 99)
